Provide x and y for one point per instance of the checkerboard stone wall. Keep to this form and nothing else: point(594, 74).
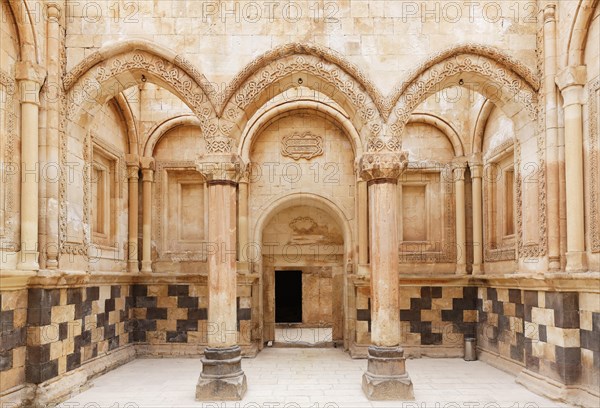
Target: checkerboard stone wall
point(69, 326)
point(13, 338)
point(178, 313)
point(501, 322)
point(429, 315)
point(589, 334)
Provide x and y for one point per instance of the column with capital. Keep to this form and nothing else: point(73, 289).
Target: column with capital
point(476, 169)
point(386, 377)
point(133, 168)
point(571, 81)
point(222, 377)
point(30, 78)
point(459, 168)
point(147, 180)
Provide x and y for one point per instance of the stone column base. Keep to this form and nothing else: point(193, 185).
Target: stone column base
point(386, 378)
point(576, 261)
point(222, 378)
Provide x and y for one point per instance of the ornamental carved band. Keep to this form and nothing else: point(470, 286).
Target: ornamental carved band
point(373, 166)
point(221, 167)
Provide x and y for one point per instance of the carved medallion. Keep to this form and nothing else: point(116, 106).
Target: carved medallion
point(302, 146)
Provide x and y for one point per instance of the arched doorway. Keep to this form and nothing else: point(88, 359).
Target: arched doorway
point(304, 252)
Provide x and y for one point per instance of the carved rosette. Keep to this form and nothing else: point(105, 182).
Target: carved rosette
point(379, 166)
point(221, 168)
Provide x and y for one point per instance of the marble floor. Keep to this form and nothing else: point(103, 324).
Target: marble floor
point(316, 378)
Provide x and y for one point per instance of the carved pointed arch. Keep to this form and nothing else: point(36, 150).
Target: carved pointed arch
point(443, 126)
point(500, 78)
point(584, 14)
point(311, 66)
point(482, 118)
point(162, 128)
point(127, 114)
point(28, 46)
point(116, 67)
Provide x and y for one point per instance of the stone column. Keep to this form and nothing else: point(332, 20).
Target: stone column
point(133, 168)
point(552, 141)
point(222, 377)
point(147, 180)
point(52, 136)
point(386, 377)
point(476, 178)
point(571, 82)
point(460, 228)
point(363, 223)
point(29, 81)
point(244, 250)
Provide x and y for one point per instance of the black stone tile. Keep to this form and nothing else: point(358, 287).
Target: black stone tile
point(73, 361)
point(492, 294)
point(470, 293)
point(83, 309)
point(498, 307)
point(43, 298)
point(514, 295)
point(137, 336)
point(542, 334)
point(63, 330)
point(202, 314)
point(567, 319)
point(187, 302)
point(483, 317)
point(530, 298)
point(503, 323)
point(520, 310)
point(187, 325)
point(517, 351)
point(410, 315)
point(39, 316)
point(425, 292)
point(146, 325)
point(38, 355)
point(531, 362)
point(95, 350)
point(176, 337)
point(139, 290)
point(84, 339)
point(527, 313)
point(6, 360)
point(415, 327)
point(590, 340)
point(101, 319)
point(567, 301)
point(452, 316)
point(113, 343)
point(74, 296)
point(179, 290)
point(109, 331)
point(109, 305)
point(436, 292)
point(37, 374)
point(115, 291)
point(156, 313)
point(244, 314)
point(7, 321)
point(145, 301)
point(129, 302)
point(596, 322)
point(467, 328)
point(568, 363)
point(92, 293)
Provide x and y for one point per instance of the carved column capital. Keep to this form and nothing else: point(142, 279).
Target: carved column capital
point(147, 168)
point(549, 13)
point(571, 81)
point(459, 165)
point(133, 166)
point(221, 168)
point(382, 166)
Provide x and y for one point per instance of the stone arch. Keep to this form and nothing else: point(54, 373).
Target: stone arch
point(132, 132)
point(508, 83)
point(28, 45)
point(446, 128)
point(262, 119)
point(162, 128)
point(579, 32)
point(480, 124)
point(116, 67)
point(312, 66)
point(294, 199)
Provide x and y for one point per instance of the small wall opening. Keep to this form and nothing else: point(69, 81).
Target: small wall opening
point(288, 296)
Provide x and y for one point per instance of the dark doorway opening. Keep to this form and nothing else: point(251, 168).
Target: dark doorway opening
point(288, 296)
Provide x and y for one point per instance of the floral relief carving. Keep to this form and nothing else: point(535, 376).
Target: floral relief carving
point(8, 144)
point(594, 183)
